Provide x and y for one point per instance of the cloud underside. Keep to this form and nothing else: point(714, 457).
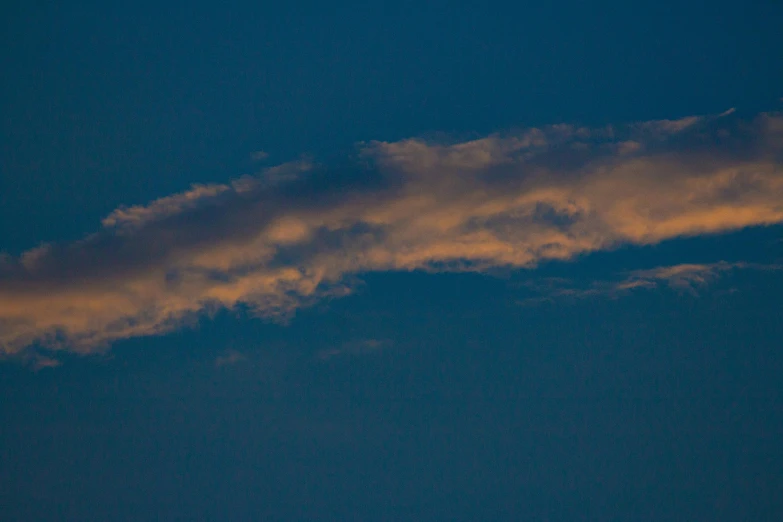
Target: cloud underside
point(299, 232)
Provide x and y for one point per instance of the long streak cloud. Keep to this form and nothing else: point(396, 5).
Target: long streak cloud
point(298, 232)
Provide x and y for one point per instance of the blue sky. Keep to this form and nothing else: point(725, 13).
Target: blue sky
point(375, 261)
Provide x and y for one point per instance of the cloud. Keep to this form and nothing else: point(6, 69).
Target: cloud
point(684, 277)
point(229, 358)
point(41, 362)
point(299, 232)
point(689, 276)
point(360, 347)
point(138, 216)
point(260, 155)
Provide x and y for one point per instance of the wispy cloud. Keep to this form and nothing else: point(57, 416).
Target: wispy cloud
point(229, 358)
point(41, 361)
point(360, 347)
point(259, 155)
point(296, 233)
point(683, 277)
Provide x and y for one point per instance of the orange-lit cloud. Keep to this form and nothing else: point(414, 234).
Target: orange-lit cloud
point(299, 232)
point(682, 277)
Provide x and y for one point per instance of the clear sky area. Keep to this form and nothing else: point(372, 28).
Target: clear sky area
point(391, 261)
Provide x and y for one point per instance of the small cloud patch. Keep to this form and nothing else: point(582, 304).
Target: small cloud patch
point(229, 358)
point(356, 348)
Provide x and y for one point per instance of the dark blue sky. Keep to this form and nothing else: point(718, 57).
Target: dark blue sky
point(597, 354)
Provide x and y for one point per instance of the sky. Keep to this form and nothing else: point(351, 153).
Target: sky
point(391, 261)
